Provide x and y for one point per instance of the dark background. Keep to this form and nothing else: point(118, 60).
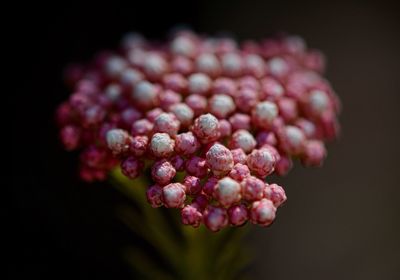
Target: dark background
point(341, 221)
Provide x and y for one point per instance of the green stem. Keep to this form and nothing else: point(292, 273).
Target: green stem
point(195, 253)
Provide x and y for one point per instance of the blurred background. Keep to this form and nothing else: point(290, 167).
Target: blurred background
point(341, 221)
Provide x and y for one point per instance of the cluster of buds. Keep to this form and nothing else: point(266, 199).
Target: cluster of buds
point(220, 116)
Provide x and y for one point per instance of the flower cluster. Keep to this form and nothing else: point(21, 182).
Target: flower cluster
point(219, 116)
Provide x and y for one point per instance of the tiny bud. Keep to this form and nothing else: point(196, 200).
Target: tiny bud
point(275, 193)
point(221, 105)
point(199, 84)
point(261, 162)
point(191, 216)
point(154, 196)
point(131, 167)
point(161, 145)
point(192, 185)
point(264, 114)
point(173, 195)
point(196, 166)
point(227, 192)
point(183, 113)
point(220, 159)
point(70, 136)
point(208, 63)
point(215, 218)
point(118, 141)
point(240, 121)
point(197, 103)
point(244, 140)
point(252, 188)
point(239, 172)
point(239, 156)
point(162, 172)
point(314, 153)
point(145, 95)
point(224, 86)
point(166, 123)
point(238, 215)
point(206, 128)
point(142, 127)
point(139, 145)
point(262, 212)
point(186, 144)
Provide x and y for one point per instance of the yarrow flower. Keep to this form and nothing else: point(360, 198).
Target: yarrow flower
point(226, 115)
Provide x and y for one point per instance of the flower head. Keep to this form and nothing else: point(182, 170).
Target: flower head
point(224, 115)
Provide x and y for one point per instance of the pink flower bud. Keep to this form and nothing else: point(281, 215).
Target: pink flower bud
point(118, 141)
point(271, 89)
point(249, 82)
point(166, 123)
point(232, 64)
point(199, 83)
point(183, 113)
point(227, 192)
point(240, 121)
point(191, 216)
point(307, 127)
point(220, 159)
point(221, 105)
point(197, 103)
point(225, 128)
point(173, 195)
point(178, 163)
point(239, 172)
point(254, 65)
point(244, 140)
point(239, 156)
point(192, 185)
point(169, 98)
point(186, 144)
point(162, 172)
point(183, 45)
point(200, 202)
point(209, 186)
point(261, 162)
point(129, 116)
point(264, 114)
point(155, 66)
point(215, 218)
point(70, 136)
point(208, 63)
point(175, 82)
point(154, 196)
point(142, 127)
point(131, 167)
point(161, 145)
point(262, 212)
point(246, 99)
point(196, 166)
point(182, 65)
point(283, 165)
point(206, 128)
point(139, 145)
point(314, 153)
point(224, 86)
point(288, 109)
point(252, 188)
point(238, 215)
point(266, 138)
point(318, 102)
point(275, 193)
point(145, 95)
point(292, 140)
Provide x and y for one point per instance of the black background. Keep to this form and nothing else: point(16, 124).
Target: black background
point(341, 221)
